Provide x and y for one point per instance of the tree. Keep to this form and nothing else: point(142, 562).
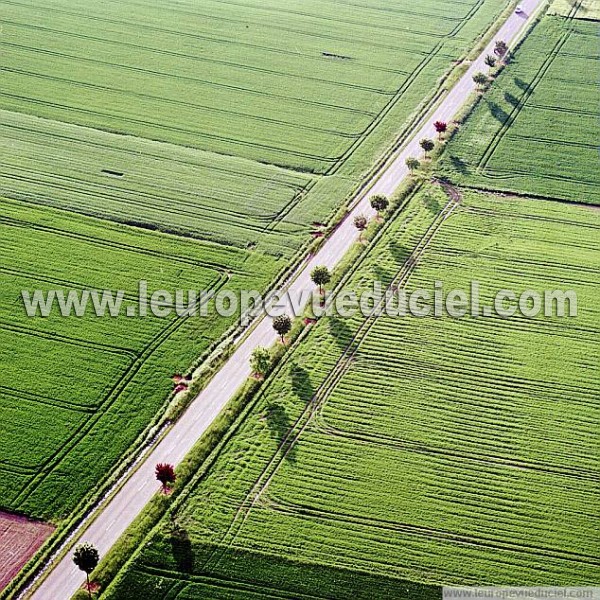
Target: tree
point(501, 49)
point(320, 276)
point(427, 145)
point(360, 222)
point(490, 60)
point(260, 361)
point(480, 79)
point(412, 163)
point(282, 325)
point(86, 557)
point(379, 202)
point(441, 127)
point(165, 473)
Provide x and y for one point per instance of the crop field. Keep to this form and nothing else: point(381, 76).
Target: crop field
point(536, 131)
point(96, 378)
point(296, 84)
point(193, 146)
point(386, 450)
point(588, 9)
point(320, 89)
point(163, 186)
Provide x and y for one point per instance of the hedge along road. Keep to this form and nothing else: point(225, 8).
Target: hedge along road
point(111, 519)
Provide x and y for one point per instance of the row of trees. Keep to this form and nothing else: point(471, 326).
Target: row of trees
point(320, 276)
point(500, 56)
point(86, 555)
point(441, 127)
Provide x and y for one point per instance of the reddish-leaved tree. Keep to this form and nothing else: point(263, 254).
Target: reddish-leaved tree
point(440, 127)
point(165, 473)
point(501, 49)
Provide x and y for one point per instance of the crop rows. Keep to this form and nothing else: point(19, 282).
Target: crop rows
point(429, 449)
point(174, 189)
point(536, 131)
point(216, 78)
point(588, 9)
point(96, 377)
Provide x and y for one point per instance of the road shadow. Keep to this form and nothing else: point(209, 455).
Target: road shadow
point(181, 548)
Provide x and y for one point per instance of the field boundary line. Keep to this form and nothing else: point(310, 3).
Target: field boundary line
point(110, 398)
point(431, 532)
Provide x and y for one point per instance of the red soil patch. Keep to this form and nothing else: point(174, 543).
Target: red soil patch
point(317, 234)
point(20, 538)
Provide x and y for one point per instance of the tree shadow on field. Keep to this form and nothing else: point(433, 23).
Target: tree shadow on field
point(278, 421)
point(301, 383)
point(279, 424)
point(511, 99)
point(521, 84)
point(497, 112)
point(431, 203)
point(386, 275)
point(380, 273)
point(459, 165)
point(181, 548)
point(398, 252)
point(340, 332)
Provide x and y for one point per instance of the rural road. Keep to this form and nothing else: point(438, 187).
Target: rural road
point(63, 578)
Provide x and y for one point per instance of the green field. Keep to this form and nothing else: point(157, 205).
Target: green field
point(225, 88)
point(434, 450)
point(191, 145)
point(296, 84)
point(536, 131)
point(69, 385)
point(179, 190)
point(588, 9)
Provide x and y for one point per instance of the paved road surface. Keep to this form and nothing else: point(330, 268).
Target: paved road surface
point(64, 578)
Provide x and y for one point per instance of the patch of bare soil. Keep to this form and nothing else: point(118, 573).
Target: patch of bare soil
point(20, 539)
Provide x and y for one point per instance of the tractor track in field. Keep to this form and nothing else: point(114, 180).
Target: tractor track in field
point(111, 396)
point(528, 92)
point(431, 532)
